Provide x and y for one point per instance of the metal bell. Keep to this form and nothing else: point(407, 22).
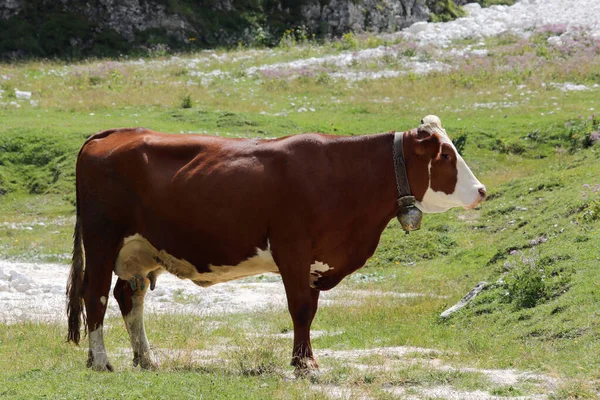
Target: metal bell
point(409, 215)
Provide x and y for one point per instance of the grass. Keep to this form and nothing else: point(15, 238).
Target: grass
point(535, 238)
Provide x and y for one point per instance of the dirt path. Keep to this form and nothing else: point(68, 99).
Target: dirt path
point(37, 292)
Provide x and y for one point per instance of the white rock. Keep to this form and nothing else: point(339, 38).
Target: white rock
point(480, 52)
point(57, 290)
point(418, 27)
point(22, 95)
point(554, 41)
point(471, 7)
point(21, 287)
point(4, 276)
point(4, 287)
point(16, 277)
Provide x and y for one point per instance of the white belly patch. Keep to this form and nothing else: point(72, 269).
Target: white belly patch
point(317, 269)
point(139, 257)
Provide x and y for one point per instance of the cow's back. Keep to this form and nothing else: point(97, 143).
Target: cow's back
point(208, 200)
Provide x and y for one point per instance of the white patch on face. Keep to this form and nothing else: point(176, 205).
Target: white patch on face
point(466, 193)
point(103, 300)
point(99, 356)
point(316, 271)
point(139, 257)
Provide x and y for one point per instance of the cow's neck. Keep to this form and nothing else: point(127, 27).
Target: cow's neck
point(365, 206)
point(370, 170)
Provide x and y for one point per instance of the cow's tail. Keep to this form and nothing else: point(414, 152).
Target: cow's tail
point(75, 309)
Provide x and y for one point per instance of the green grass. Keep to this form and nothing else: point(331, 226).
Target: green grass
point(535, 239)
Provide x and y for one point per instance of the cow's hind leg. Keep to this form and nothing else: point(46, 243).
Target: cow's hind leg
point(96, 282)
point(131, 303)
point(137, 268)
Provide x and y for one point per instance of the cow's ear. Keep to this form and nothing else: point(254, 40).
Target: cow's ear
point(426, 143)
point(423, 134)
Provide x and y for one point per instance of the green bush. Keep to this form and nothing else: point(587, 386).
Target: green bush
point(525, 284)
point(186, 101)
point(532, 281)
point(460, 142)
point(578, 133)
point(444, 10)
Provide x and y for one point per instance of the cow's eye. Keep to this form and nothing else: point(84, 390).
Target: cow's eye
point(445, 156)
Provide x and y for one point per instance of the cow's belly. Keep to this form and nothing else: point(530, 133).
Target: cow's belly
point(138, 258)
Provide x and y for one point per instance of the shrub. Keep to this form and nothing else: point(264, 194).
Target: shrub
point(444, 10)
point(525, 284)
point(460, 142)
point(505, 147)
point(591, 209)
point(253, 358)
point(186, 101)
point(347, 42)
point(532, 281)
point(579, 133)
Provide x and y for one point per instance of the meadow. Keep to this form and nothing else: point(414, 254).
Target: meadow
point(524, 114)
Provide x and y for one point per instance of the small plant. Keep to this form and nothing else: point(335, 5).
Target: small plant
point(525, 283)
point(255, 358)
point(445, 10)
point(323, 78)
point(347, 42)
point(186, 101)
point(581, 133)
point(591, 210)
point(409, 52)
point(505, 147)
point(95, 80)
point(295, 36)
point(460, 142)
point(531, 281)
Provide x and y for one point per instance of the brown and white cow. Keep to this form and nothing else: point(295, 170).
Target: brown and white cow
point(310, 207)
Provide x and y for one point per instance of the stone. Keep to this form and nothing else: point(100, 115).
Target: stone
point(22, 94)
point(341, 16)
point(418, 27)
point(465, 300)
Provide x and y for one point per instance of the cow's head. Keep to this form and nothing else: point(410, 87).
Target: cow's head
point(438, 176)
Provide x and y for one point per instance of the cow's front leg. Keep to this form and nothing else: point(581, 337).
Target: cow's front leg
point(303, 309)
point(294, 263)
point(302, 304)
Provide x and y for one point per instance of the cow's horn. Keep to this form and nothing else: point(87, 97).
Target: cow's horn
point(432, 120)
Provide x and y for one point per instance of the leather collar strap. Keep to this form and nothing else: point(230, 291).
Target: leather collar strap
point(405, 198)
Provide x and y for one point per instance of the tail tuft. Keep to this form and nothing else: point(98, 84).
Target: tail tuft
point(75, 309)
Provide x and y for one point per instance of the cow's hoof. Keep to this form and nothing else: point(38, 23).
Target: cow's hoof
point(145, 362)
point(306, 367)
point(306, 373)
point(99, 363)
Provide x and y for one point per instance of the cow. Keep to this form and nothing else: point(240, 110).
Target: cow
point(310, 207)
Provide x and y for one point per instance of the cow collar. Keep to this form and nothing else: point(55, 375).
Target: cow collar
point(409, 215)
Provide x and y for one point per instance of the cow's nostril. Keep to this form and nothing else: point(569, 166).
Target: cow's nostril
point(482, 192)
